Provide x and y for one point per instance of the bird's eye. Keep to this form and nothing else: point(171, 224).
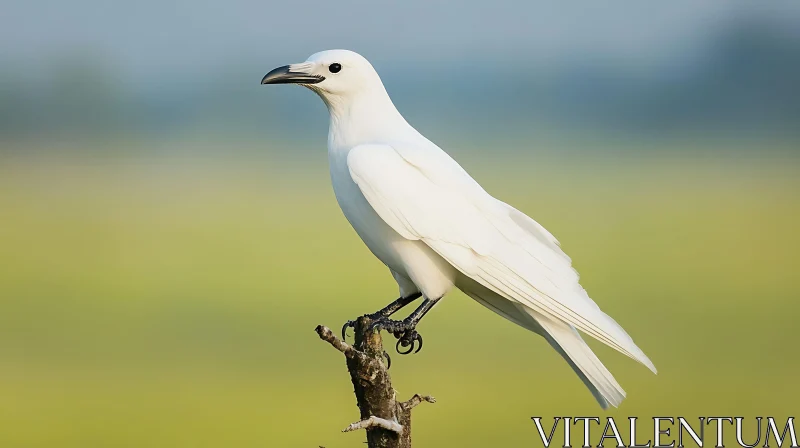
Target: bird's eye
point(335, 67)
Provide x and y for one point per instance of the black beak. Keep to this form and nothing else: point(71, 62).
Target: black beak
point(282, 75)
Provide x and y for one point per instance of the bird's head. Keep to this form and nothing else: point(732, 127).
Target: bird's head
point(359, 106)
point(331, 73)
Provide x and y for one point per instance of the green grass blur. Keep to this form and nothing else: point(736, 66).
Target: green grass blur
point(150, 301)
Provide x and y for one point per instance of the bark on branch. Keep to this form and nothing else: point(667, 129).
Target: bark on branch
point(386, 420)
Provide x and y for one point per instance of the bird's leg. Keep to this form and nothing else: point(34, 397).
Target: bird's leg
point(384, 312)
point(405, 330)
point(395, 306)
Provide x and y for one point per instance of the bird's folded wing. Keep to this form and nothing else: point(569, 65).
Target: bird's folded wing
point(425, 195)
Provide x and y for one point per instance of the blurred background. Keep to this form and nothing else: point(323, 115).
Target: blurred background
point(169, 238)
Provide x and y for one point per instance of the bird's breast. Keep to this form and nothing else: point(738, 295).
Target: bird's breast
point(412, 259)
point(379, 237)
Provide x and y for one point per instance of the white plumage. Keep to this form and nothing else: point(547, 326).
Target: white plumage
point(423, 216)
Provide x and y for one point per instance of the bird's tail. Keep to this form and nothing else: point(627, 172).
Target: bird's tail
point(564, 338)
point(569, 343)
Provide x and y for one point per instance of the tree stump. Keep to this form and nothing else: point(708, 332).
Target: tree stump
point(386, 420)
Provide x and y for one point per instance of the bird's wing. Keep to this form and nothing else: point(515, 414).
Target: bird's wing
point(423, 194)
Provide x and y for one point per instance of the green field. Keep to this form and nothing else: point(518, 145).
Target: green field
point(171, 301)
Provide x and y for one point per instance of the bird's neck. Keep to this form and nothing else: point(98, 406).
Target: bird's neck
point(369, 117)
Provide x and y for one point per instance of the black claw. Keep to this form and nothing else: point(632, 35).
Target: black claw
point(347, 324)
point(409, 339)
point(388, 360)
point(404, 343)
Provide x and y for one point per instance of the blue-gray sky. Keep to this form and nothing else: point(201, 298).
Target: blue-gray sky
point(148, 39)
point(174, 66)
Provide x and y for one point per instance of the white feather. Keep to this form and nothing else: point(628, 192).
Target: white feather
point(421, 214)
point(562, 337)
point(476, 234)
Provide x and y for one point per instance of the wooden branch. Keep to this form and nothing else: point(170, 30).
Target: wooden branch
point(327, 335)
point(416, 400)
point(373, 422)
point(386, 421)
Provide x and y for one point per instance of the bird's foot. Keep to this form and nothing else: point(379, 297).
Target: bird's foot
point(374, 317)
point(403, 330)
point(409, 339)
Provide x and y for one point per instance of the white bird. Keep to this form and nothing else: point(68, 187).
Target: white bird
point(436, 228)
